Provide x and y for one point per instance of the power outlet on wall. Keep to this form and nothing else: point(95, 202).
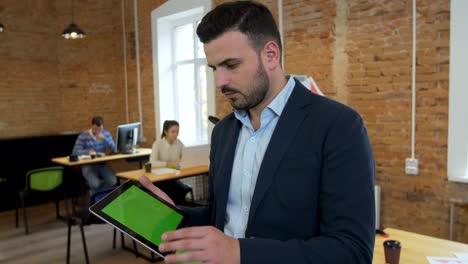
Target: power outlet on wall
point(412, 166)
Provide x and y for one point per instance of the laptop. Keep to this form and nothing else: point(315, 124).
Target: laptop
point(195, 156)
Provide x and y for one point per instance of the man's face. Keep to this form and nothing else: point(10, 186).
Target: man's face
point(96, 129)
point(238, 70)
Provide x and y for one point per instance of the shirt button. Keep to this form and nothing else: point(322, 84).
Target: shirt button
point(252, 139)
point(245, 209)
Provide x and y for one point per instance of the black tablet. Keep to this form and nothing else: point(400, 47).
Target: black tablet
point(140, 214)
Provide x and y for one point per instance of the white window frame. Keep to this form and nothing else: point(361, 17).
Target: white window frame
point(197, 62)
point(457, 159)
point(163, 19)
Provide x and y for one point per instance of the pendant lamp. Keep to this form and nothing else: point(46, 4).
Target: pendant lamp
point(1, 27)
point(73, 31)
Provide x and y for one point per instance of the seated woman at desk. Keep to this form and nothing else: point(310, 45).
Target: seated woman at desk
point(167, 152)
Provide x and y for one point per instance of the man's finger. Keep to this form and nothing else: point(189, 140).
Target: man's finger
point(187, 232)
point(186, 256)
point(185, 244)
point(150, 186)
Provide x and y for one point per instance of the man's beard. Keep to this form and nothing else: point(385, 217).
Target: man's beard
point(253, 96)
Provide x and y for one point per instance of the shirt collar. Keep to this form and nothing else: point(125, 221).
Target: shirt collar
point(278, 104)
point(91, 133)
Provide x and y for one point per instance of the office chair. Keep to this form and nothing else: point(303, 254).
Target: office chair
point(40, 180)
point(188, 190)
point(213, 119)
point(85, 217)
point(177, 190)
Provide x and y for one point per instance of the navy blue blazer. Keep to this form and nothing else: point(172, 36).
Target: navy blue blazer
point(314, 197)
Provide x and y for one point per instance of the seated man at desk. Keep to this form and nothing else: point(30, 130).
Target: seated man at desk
point(91, 142)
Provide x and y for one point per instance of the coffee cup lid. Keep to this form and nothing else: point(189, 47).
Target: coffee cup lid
point(392, 244)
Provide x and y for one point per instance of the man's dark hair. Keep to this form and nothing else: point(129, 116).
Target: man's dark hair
point(97, 120)
point(168, 124)
point(252, 19)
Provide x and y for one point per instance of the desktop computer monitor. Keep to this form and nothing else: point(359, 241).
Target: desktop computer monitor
point(128, 137)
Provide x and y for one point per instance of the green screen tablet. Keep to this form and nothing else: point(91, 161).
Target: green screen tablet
point(140, 214)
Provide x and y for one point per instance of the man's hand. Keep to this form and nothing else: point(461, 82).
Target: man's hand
point(100, 136)
point(203, 243)
point(150, 186)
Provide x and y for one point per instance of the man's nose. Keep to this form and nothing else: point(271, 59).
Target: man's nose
point(222, 78)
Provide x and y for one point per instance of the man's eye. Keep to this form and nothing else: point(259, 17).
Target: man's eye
point(231, 66)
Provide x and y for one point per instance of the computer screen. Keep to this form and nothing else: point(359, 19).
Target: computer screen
point(128, 137)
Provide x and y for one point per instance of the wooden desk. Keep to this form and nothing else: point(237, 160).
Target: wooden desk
point(416, 247)
point(184, 173)
point(141, 152)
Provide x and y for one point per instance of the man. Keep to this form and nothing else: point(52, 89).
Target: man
point(96, 141)
point(291, 173)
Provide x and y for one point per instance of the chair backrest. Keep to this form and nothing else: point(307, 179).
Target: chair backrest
point(87, 218)
point(98, 195)
point(44, 179)
point(213, 119)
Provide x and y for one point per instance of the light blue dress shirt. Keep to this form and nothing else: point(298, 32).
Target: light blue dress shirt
point(251, 147)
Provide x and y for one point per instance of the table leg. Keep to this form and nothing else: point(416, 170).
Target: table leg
point(451, 219)
point(135, 251)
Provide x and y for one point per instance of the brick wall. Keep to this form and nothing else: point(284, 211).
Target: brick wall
point(359, 52)
point(146, 65)
point(51, 85)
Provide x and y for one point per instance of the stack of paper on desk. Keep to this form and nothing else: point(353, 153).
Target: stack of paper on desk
point(160, 171)
point(84, 157)
point(461, 258)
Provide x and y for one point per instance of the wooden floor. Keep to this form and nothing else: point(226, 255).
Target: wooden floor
point(47, 241)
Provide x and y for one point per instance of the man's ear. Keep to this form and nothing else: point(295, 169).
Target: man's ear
point(272, 55)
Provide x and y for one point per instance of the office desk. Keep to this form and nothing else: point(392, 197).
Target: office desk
point(184, 173)
point(141, 152)
point(416, 247)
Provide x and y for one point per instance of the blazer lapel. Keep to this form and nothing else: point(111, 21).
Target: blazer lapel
point(226, 160)
point(285, 131)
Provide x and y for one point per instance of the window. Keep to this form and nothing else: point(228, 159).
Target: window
point(457, 165)
point(183, 84)
point(189, 73)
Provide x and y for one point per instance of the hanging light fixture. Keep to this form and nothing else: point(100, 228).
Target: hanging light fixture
point(1, 27)
point(73, 31)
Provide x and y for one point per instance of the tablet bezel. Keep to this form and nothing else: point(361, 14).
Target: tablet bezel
point(96, 209)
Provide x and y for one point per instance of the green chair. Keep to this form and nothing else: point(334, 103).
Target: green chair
point(40, 180)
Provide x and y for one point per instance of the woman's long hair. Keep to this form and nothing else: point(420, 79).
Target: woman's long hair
point(167, 125)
